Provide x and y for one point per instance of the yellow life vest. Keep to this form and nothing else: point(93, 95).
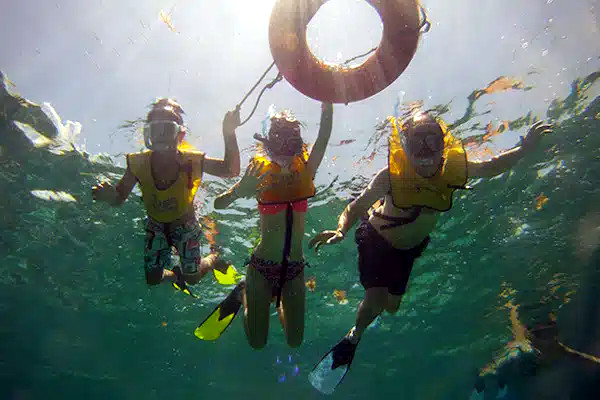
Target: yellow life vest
point(297, 185)
point(174, 202)
point(409, 189)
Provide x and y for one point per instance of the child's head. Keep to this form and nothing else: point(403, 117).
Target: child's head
point(283, 140)
point(164, 129)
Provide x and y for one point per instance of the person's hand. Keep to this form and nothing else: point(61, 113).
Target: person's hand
point(104, 191)
point(251, 180)
point(534, 135)
point(326, 237)
point(231, 121)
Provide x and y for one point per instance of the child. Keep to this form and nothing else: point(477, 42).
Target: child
point(169, 177)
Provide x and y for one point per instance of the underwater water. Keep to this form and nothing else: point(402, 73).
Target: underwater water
point(77, 319)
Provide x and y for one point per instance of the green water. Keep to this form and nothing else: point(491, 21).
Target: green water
point(78, 321)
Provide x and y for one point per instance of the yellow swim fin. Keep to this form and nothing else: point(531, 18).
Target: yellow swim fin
point(180, 284)
point(230, 277)
point(222, 316)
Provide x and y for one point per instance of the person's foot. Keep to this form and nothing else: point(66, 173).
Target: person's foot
point(343, 352)
point(352, 336)
point(233, 300)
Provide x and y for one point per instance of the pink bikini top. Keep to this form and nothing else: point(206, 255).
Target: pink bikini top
point(298, 206)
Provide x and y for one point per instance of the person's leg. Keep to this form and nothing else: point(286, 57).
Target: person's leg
point(257, 301)
point(393, 303)
point(157, 256)
point(293, 302)
point(186, 239)
point(373, 304)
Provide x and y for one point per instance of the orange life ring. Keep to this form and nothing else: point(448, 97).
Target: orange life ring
point(334, 83)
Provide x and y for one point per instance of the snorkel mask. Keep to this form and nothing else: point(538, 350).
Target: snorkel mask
point(283, 139)
point(423, 138)
point(161, 135)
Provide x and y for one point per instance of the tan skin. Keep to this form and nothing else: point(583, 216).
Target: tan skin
point(377, 299)
point(257, 298)
point(165, 170)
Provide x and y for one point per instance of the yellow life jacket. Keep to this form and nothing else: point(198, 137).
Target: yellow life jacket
point(174, 202)
point(297, 185)
point(409, 189)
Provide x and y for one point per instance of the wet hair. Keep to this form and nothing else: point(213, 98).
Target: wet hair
point(419, 119)
point(166, 107)
point(281, 122)
point(284, 120)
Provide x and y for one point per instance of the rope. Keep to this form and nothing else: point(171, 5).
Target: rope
point(267, 86)
point(359, 56)
point(425, 22)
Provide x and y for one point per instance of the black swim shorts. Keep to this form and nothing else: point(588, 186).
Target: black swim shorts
point(380, 264)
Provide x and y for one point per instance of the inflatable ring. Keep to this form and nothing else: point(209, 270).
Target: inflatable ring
point(335, 83)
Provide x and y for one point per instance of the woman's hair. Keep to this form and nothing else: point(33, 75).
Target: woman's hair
point(166, 106)
point(280, 121)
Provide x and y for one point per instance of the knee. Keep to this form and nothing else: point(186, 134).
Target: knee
point(295, 340)
point(392, 307)
point(192, 278)
point(375, 305)
point(154, 276)
point(257, 344)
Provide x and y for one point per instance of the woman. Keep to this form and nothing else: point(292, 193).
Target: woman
point(281, 177)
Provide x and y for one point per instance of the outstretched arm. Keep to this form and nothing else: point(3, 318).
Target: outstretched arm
point(229, 166)
point(115, 195)
point(318, 150)
point(377, 188)
point(245, 187)
point(508, 159)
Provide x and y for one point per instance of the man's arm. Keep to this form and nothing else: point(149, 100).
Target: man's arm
point(377, 188)
point(506, 160)
point(497, 165)
point(229, 166)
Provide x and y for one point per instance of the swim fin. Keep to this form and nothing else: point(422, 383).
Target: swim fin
point(222, 316)
point(331, 370)
point(180, 284)
point(229, 277)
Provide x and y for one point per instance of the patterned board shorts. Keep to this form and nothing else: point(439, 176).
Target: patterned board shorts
point(162, 237)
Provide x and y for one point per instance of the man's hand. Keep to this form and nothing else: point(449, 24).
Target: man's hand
point(534, 135)
point(326, 237)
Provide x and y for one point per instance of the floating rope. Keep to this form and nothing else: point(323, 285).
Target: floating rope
point(269, 85)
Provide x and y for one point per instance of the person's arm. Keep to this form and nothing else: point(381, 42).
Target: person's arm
point(506, 160)
point(226, 198)
point(229, 166)
point(115, 195)
point(318, 150)
point(377, 188)
point(245, 187)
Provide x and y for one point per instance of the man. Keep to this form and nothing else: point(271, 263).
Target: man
point(426, 165)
